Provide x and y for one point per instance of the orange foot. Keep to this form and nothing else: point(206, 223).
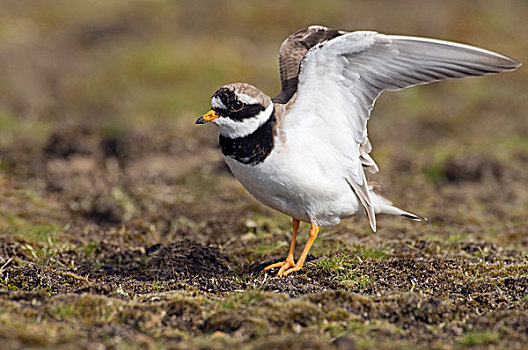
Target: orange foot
point(284, 265)
point(288, 266)
point(293, 269)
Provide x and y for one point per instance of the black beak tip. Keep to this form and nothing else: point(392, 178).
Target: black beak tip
point(200, 120)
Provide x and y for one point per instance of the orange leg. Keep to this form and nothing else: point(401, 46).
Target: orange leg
point(289, 260)
point(314, 230)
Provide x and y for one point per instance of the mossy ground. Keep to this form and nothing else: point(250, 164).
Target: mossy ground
point(121, 227)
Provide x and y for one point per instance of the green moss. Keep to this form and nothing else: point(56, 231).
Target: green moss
point(353, 281)
point(455, 238)
point(478, 338)
point(30, 132)
point(267, 247)
point(5, 283)
point(435, 168)
point(333, 262)
point(344, 260)
point(238, 299)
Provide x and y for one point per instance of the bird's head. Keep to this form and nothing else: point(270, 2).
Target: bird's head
point(238, 110)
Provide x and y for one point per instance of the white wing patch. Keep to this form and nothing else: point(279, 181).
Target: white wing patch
point(339, 81)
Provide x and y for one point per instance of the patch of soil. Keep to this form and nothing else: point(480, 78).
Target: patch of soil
point(162, 262)
point(69, 139)
point(105, 210)
point(185, 257)
point(473, 168)
point(43, 279)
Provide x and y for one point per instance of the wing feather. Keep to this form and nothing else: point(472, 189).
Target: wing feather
point(341, 75)
point(292, 51)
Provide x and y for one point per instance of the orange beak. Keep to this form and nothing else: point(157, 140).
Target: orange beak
point(208, 117)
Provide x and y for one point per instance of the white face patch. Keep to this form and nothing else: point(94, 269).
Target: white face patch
point(245, 99)
point(239, 128)
point(216, 102)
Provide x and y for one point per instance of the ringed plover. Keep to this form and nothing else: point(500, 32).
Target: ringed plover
point(306, 151)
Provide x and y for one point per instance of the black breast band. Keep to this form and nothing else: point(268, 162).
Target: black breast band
point(251, 149)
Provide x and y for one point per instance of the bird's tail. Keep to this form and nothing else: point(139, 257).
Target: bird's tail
point(384, 206)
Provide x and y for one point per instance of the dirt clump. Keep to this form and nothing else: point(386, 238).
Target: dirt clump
point(185, 257)
point(473, 168)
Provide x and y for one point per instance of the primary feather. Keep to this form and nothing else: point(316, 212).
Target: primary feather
point(342, 74)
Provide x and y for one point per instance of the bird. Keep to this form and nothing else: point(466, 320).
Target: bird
point(306, 151)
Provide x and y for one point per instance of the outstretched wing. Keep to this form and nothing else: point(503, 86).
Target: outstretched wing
point(340, 79)
point(291, 53)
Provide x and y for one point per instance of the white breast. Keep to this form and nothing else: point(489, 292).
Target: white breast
point(303, 177)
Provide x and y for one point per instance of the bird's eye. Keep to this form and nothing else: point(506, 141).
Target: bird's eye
point(236, 106)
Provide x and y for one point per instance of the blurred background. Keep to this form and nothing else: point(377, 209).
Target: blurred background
point(121, 64)
point(98, 101)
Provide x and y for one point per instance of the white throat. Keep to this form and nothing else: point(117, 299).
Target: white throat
point(240, 128)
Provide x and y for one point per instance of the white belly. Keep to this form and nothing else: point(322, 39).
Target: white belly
point(300, 183)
